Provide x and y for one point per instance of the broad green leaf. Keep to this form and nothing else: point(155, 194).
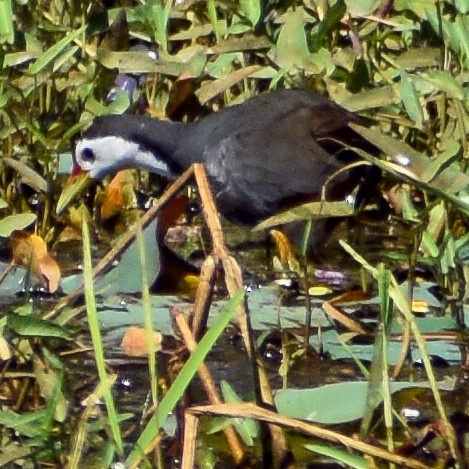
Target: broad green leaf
point(139, 62)
point(418, 58)
point(336, 403)
point(292, 48)
point(248, 429)
point(126, 276)
point(18, 58)
point(429, 246)
point(223, 64)
point(15, 222)
point(461, 36)
point(7, 32)
point(250, 9)
point(462, 6)
point(436, 165)
point(198, 31)
point(212, 14)
point(411, 164)
point(371, 99)
point(73, 188)
point(158, 13)
point(50, 381)
point(360, 8)
point(33, 326)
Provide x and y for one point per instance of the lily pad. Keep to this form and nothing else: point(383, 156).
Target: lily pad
point(338, 402)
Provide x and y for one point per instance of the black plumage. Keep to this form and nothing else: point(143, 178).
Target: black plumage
point(270, 152)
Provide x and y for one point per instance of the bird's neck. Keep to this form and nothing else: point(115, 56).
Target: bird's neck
point(163, 139)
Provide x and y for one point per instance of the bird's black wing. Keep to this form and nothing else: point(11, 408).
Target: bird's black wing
point(256, 172)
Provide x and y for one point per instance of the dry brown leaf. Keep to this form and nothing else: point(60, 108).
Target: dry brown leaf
point(286, 251)
point(119, 195)
point(48, 269)
point(134, 343)
point(30, 252)
point(171, 212)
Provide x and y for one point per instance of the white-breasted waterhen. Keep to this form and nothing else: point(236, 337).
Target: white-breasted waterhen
point(266, 154)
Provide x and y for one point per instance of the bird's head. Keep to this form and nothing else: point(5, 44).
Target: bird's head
point(101, 156)
point(116, 142)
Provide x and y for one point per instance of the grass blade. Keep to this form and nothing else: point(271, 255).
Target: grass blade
point(183, 379)
point(96, 338)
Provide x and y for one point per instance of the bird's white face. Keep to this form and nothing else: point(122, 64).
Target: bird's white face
point(103, 155)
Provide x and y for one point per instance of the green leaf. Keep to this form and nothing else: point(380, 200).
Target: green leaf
point(248, 429)
point(191, 63)
point(74, 188)
point(362, 7)
point(445, 82)
point(410, 164)
point(33, 326)
point(371, 99)
point(198, 31)
point(7, 32)
point(50, 381)
point(333, 15)
point(418, 57)
point(335, 403)
point(29, 425)
point(345, 457)
point(105, 380)
point(28, 175)
point(250, 9)
point(292, 48)
point(462, 6)
point(411, 100)
point(57, 49)
point(15, 222)
point(307, 212)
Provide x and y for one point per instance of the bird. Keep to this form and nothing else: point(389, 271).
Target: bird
point(270, 152)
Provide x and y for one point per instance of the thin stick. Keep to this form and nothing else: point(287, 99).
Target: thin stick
point(209, 385)
point(7, 270)
point(252, 411)
point(203, 296)
point(234, 282)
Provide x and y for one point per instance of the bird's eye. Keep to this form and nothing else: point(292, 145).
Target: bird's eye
point(87, 154)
